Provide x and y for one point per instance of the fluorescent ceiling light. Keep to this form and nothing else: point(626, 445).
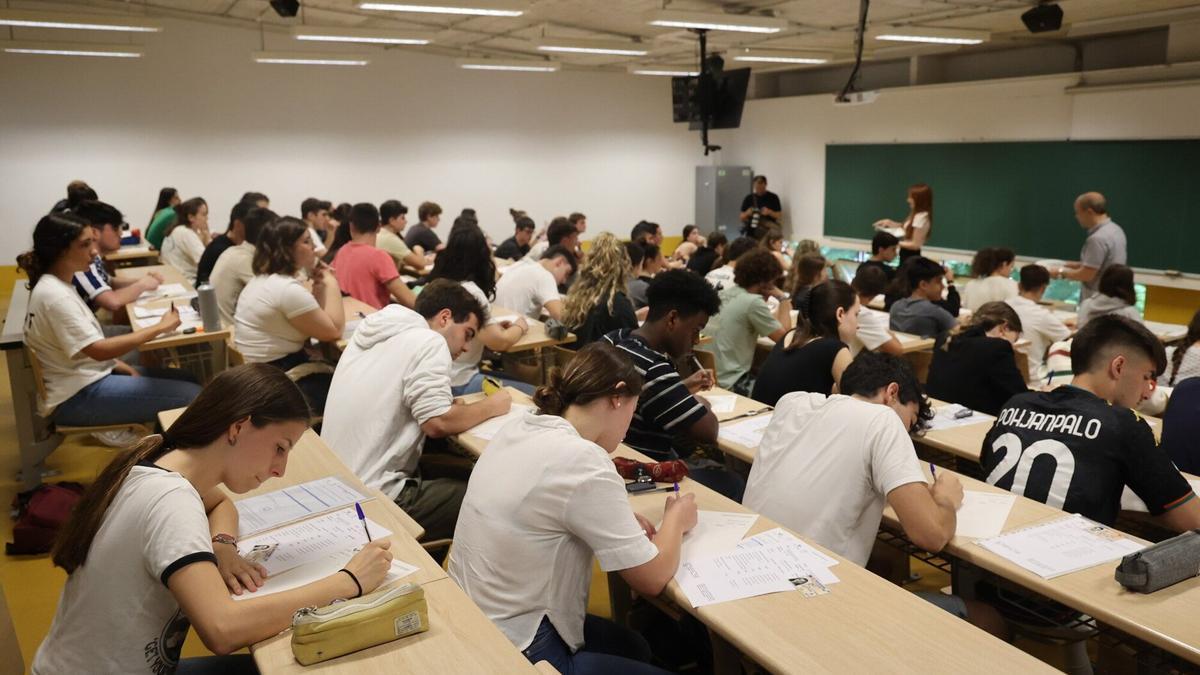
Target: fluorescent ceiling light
point(605, 47)
point(936, 36)
point(76, 49)
point(769, 56)
point(360, 35)
point(519, 65)
point(666, 71)
point(312, 58)
point(127, 24)
point(740, 23)
point(467, 7)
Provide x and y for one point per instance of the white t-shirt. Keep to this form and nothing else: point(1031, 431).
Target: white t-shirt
point(58, 325)
point(229, 276)
point(920, 221)
point(979, 292)
point(720, 278)
point(262, 331)
point(116, 614)
point(182, 250)
point(873, 330)
point(526, 287)
point(826, 466)
point(393, 377)
point(540, 504)
point(1041, 328)
point(463, 368)
point(536, 251)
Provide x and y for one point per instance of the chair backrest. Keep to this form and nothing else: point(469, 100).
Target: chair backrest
point(235, 357)
point(35, 365)
point(10, 650)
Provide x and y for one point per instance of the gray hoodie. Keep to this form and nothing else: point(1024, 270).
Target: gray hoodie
point(1101, 304)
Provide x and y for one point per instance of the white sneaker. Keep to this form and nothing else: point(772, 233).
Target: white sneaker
point(117, 438)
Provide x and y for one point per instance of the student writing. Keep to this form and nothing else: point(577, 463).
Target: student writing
point(977, 367)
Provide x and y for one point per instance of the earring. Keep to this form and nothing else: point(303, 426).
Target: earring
point(232, 441)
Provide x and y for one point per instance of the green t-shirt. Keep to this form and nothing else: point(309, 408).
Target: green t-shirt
point(744, 317)
point(158, 226)
point(389, 241)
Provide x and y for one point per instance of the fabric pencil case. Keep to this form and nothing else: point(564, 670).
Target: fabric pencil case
point(1166, 563)
point(323, 633)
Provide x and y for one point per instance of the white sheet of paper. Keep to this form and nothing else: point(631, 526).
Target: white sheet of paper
point(507, 317)
point(1132, 502)
point(983, 514)
point(798, 560)
point(488, 430)
point(715, 532)
point(148, 312)
point(1061, 546)
point(333, 536)
point(749, 432)
point(1167, 332)
point(721, 403)
point(272, 509)
point(301, 576)
point(943, 418)
point(730, 576)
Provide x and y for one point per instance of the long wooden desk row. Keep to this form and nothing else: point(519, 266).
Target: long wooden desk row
point(864, 624)
point(1161, 619)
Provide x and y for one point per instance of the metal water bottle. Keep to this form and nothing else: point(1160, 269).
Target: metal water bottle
point(209, 314)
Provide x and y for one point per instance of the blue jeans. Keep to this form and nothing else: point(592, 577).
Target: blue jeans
point(476, 384)
point(121, 399)
point(607, 648)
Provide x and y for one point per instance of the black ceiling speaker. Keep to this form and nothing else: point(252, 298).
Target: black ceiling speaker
point(1043, 18)
point(286, 8)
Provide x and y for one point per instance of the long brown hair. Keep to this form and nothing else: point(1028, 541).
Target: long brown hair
point(1192, 337)
point(987, 317)
point(596, 371)
point(52, 237)
point(273, 254)
point(183, 214)
point(922, 196)
point(1117, 282)
point(816, 315)
point(806, 271)
point(258, 391)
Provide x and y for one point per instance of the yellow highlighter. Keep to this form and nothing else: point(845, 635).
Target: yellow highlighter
point(491, 385)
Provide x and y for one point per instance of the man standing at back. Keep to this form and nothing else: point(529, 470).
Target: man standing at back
point(1104, 246)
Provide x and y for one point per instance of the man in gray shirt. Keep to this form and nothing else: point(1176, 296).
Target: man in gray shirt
point(1104, 246)
point(917, 314)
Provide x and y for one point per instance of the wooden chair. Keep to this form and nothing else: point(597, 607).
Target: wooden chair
point(545, 668)
point(40, 382)
point(920, 362)
point(10, 651)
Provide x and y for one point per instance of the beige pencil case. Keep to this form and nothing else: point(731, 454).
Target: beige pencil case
point(323, 633)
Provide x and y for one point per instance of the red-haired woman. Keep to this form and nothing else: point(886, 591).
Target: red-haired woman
point(919, 223)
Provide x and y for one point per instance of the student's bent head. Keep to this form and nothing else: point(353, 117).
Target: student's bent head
point(600, 378)
point(994, 319)
point(452, 312)
point(1034, 279)
point(757, 270)
point(58, 236)
point(1117, 282)
point(245, 421)
point(1121, 355)
point(889, 380)
point(562, 262)
point(562, 231)
point(885, 245)
point(681, 303)
point(738, 247)
point(869, 281)
point(717, 241)
point(828, 310)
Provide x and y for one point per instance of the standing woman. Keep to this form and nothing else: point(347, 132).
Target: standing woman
point(186, 238)
point(918, 226)
point(148, 549)
point(164, 213)
point(86, 382)
point(467, 259)
point(276, 315)
point(598, 302)
point(524, 542)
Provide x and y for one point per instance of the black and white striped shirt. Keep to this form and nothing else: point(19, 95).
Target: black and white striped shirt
point(92, 282)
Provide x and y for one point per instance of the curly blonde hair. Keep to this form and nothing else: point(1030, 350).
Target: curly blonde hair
point(605, 272)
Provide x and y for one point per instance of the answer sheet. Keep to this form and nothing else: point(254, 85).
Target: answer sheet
point(943, 418)
point(983, 514)
point(715, 532)
point(794, 557)
point(747, 433)
point(333, 536)
point(302, 576)
point(488, 430)
point(731, 576)
point(1061, 546)
point(272, 509)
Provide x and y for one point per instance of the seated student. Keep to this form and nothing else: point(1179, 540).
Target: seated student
point(646, 232)
point(1076, 447)
point(813, 357)
point(315, 213)
point(745, 317)
point(918, 314)
point(77, 191)
point(1038, 323)
point(1181, 426)
point(669, 405)
point(339, 224)
point(530, 288)
point(276, 315)
point(234, 235)
point(653, 262)
point(884, 249)
point(421, 238)
point(94, 284)
point(152, 544)
point(393, 216)
point(392, 389)
point(525, 540)
point(808, 271)
point(367, 273)
point(517, 246)
point(692, 241)
point(257, 198)
point(235, 268)
point(597, 303)
point(701, 262)
point(560, 233)
point(164, 212)
point(976, 366)
point(1116, 296)
point(873, 333)
point(722, 276)
point(993, 281)
point(1185, 358)
point(86, 383)
point(773, 241)
point(186, 238)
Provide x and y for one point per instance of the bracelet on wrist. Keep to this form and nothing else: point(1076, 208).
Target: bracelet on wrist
point(355, 580)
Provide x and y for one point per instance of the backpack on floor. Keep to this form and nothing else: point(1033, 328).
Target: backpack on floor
point(41, 513)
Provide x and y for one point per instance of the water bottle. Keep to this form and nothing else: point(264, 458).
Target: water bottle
point(209, 313)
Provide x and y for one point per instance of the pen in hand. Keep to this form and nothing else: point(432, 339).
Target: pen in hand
point(363, 519)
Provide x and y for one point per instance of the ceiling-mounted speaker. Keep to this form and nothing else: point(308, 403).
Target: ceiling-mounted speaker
point(288, 8)
point(1043, 19)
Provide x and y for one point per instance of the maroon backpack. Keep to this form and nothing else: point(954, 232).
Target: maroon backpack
point(41, 513)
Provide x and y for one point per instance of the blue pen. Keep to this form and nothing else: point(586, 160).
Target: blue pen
point(932, 472)
point(363, 519)
point(676, 489)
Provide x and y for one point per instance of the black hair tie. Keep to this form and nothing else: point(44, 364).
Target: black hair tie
point(354, 579)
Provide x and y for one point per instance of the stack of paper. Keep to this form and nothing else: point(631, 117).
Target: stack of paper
point(748, 433)
point(944, 418)
point(1061, 546)
point(715, 532)
point(983, 514)
point(488, 430)
point(796, 558)
point(272, 509)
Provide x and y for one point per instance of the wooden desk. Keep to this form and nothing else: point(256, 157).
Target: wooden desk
point(355, 310)
point(909, 342)
point(137, 254)
point(35, 439)
point(785, 632)
point(169, 274)
point(218, 358)
point(536, 338)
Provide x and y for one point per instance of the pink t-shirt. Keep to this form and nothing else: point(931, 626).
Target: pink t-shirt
point(364, 272)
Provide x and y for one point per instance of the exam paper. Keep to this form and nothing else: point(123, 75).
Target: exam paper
point(1061, 546)
point(175, 291)
point(748, 433)
point(488, 430)
point(795, 558)
point(983, 514)
point(302, 576)
point(715, 532)
point(721, 403)
point(1132, 502)
point(944, 418)
point(272, 509)
point(731, 576)
point(333, 536)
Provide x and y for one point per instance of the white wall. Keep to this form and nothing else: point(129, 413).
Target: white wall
point(785, 138)
point(197, 114)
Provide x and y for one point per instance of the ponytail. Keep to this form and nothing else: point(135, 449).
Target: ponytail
point(52, 236)
point(596, 371)
point(1192, 337)
point(816, 314)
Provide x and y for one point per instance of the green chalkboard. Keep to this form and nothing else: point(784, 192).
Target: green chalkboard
point(1020, 195)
